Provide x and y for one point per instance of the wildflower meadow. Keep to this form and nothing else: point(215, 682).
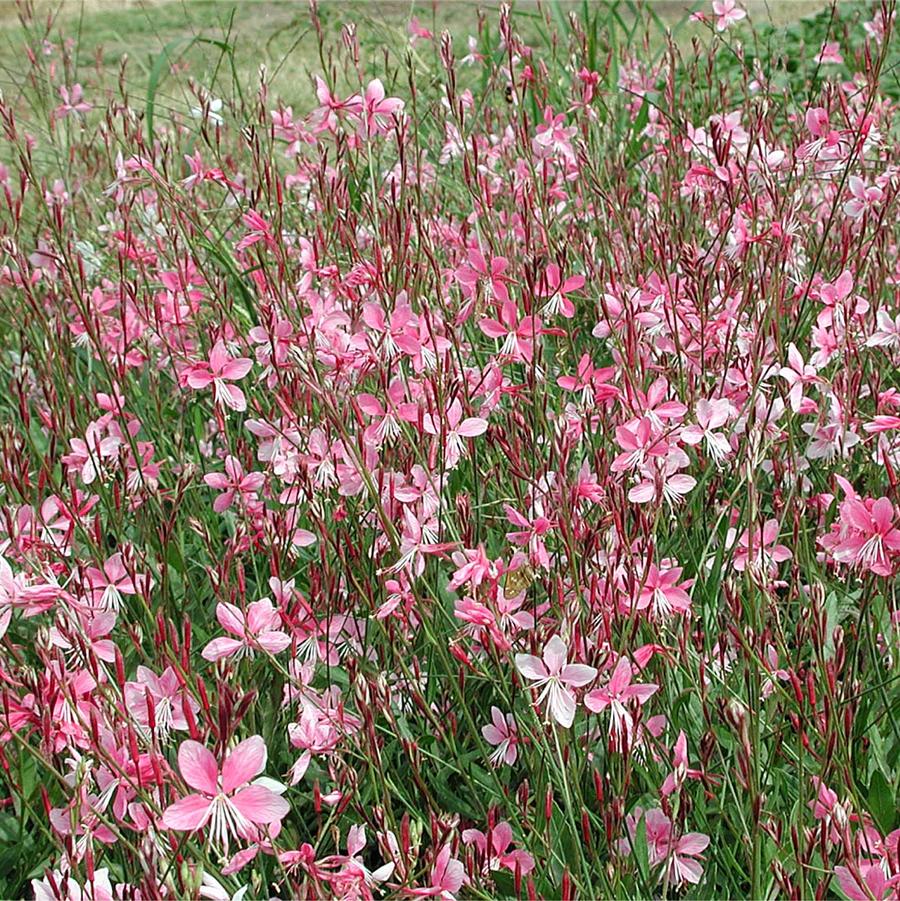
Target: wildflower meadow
point(450, 451)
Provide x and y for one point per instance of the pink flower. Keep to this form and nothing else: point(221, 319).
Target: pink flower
point(72, 101)
point(502, 732)
point(683, 858)
point(675, 779)
point(590, 381)
point(638, 442)
point(159, 700)
point(662, 479)
point(711, 415)
point(477, 271)
point(233, 482)
point(351, 867)
point(531, 532)
point(679, 857)
point(798, 374)
point(759, 549)
point(107, 585)
point(453, 428)
point(870, 882)
point(620, 694)
point(865, 197)
point(258, 229)
point(871, 538)
point(493, 849)
point(727, 13)
point(225, 797)
point(518, 335)
point(552, 286)
point(220, 371)
point(830, 52)
point(375, 111)
point(448, 876)
point(663, 593)
point(556, 679)
point(259, 629)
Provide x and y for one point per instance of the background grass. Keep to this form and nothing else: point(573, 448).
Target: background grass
point(278, 35)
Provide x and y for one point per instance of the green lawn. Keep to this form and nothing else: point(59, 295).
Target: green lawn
point(279, 35)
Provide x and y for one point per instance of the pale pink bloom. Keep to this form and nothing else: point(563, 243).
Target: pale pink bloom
point(590, 381)
point(493, 849)
point(663, 592)
point(882, 424)
point(386, 425)
point(504, 734)
point(663, 480)
point(877, 27)
point(530, 533)
point(160, 700)
point(887, 332)
point(448, 876)
point(107, 585)
point(519, 335)
point(90, 454)
point(638, 442)
point(727, 13)
point(417, 31)
point(226, 798)
point(258, 229)
point(418, 540)
point(61, 886)
point(72, 101)
point(828, 144)
point(553, 138)
point(865, 197)
point(83, 823)
point(680, 858)
point(827, 807)
point(220, 371)
point(621, 696)
point(675, 779)
point(258, 629)
point(832, 439)
point(375, 111)
point(871, 882)
point(655, 406)
point(351, 865)
point(554, 287)
point(453, 428)
point(234, 482)
point(325, 116)
point(711, 415)
point(683, 858)
point(556, 679)
point(473, 55)
point(473, 567)
point(830, 52)
point(86, 630)
point(759, 549)
point(871, 539)
point(798, 375)
point(774, 672)
point(488, 274)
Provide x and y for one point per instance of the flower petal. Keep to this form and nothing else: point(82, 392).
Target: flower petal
point(244, 763)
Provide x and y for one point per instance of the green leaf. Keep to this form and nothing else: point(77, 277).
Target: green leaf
point(882, 802)
point(641, 851)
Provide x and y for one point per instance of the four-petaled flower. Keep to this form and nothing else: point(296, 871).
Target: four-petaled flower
point(258, 629)
point(556, 679)
point(226, 798)
point(220, 371)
